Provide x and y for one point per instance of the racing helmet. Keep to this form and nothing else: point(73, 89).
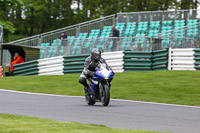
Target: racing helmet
point(96, 54)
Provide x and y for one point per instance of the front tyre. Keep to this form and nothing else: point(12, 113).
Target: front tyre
point(105, 99)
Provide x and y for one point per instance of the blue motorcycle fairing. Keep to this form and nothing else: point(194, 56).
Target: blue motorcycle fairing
point(98, 77)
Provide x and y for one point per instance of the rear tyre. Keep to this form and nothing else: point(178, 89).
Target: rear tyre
point(105, 99)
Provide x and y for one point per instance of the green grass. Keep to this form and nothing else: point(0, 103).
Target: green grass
point(176, 87)
point(22, 124)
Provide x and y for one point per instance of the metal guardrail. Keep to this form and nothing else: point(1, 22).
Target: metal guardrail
point(158, 15)
point(79, 46)
point(186, 34)
point(73, 30)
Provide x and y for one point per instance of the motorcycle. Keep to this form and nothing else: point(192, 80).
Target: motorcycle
point(99, 86)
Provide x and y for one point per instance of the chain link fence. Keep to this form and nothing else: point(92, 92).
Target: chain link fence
point(84, 46)
point(79, 46)
point(158, 16)
point(182, 37)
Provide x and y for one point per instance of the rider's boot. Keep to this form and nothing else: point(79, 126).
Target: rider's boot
point(86, 90)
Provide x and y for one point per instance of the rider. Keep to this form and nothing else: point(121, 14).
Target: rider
point(90, 64)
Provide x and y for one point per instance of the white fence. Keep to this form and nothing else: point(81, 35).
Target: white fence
point(115, 60)
point(51, 66)
point(181, 59)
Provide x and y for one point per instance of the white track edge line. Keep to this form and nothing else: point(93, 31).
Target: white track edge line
point(121, 100)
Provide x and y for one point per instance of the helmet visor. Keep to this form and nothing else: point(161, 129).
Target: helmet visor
point(97, 56)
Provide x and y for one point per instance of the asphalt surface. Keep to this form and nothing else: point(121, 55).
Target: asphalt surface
point(119, 114)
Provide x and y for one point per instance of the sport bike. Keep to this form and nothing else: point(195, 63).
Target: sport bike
point(99, 86)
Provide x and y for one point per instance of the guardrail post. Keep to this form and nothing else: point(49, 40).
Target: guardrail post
point(169, 58)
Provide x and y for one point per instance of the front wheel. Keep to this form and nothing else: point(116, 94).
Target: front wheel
point(105, 99)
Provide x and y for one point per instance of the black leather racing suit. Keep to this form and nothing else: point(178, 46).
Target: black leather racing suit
point(89, 68)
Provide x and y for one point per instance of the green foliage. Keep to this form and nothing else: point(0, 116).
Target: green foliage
point(177, 87)
point(8, 29)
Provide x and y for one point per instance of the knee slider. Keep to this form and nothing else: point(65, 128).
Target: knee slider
point(82, 80)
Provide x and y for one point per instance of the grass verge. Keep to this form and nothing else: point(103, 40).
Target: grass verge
point(22, 124)
point(175, 87)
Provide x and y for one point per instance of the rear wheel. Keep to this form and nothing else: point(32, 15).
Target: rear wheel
point(105, 99)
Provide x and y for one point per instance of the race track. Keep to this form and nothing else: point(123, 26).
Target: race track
point(119, 114)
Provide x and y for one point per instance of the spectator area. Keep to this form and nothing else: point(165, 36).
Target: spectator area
point(99, 38)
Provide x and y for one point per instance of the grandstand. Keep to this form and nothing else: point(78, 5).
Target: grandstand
point(137, 29)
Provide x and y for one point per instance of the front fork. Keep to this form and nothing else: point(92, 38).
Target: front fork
point(101, 84)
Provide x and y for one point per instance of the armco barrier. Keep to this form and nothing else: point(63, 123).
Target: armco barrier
point(197, 59)
point(114, 60)
point(160, 60)
point(27, 68)
point(51, 66)
point(182, 59)
point(74, 64)
point(168, 59)
point(137, 61)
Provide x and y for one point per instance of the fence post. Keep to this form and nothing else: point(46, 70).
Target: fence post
point(169, 58)
point(163, 16)
point(150, 17)
point(139, 17)
point(197, 37)
point(114, 19)
point(1, 35)
point(39, 40)
point(151, 45)
point(77, 30)
point(117, 18)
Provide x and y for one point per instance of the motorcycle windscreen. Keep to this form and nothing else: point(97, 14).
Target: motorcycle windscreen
point(102, 72)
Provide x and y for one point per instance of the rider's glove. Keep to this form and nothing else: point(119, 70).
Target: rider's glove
point(90, 73)
point(110, 68)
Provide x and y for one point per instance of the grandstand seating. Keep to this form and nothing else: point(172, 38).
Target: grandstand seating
point(165, 28)
point(100, 39)
point(105, 34)
point(51, 51)
point(191, 29)
point(70, 42)
point(94, 34)
point(141, 32)
point(120, 27)
point(78, 43)
point(44, 44)
point(129, 32)
point(154, 28)
point(179, 32)
point(56, 42)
